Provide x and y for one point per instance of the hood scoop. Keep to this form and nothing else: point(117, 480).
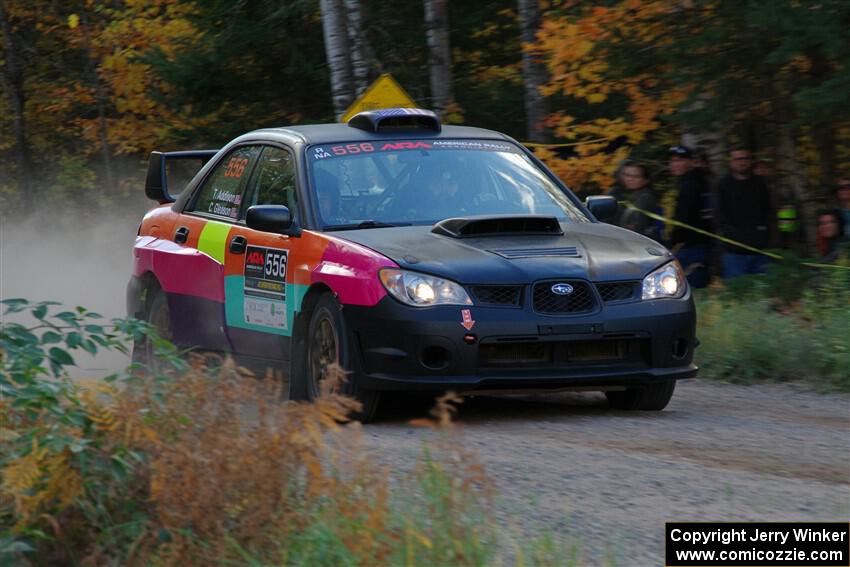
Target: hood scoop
point(468, 227)
point(517, 253)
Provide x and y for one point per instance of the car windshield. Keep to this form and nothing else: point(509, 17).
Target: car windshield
point(404, 182)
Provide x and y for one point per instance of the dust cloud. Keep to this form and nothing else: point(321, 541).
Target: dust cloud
point(74, 257)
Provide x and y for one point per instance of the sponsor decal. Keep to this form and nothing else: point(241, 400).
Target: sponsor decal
point(406, 146)
point(265, 286)
point(340, 150)
point(467, 322)
point(265, 272)
point(474, 145)
point(266, 313)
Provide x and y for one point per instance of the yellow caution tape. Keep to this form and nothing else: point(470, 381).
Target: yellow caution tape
point(775, 256)
point(567, 145)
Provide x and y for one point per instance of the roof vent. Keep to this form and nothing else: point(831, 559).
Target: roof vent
point(396, 119)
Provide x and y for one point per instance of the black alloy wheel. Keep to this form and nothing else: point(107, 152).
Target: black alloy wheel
point(329, 342)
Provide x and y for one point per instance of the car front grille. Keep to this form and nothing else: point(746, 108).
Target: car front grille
point(617, 291)
point(497, 295)
point(581, 300)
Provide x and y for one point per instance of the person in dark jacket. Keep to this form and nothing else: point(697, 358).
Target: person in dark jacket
point(635, 187)
point(831, 239)
point(743, 214)
point(693, 207)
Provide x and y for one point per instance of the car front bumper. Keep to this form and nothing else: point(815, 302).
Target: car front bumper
point(622, 345)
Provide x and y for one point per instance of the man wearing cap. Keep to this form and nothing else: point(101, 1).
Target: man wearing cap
point(744, 215)
point(693, 208)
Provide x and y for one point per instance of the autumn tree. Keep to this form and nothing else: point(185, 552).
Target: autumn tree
point(610, 108)
point(12, 74)
point(635, 73)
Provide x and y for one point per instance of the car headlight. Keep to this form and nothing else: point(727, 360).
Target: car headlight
point(421, 290)
point(667, 281)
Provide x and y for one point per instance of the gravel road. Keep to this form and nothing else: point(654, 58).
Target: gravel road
point(607, 481)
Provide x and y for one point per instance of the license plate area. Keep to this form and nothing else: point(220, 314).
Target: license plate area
point(597, 351)
point(562, 353)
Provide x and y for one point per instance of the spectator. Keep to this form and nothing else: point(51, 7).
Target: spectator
point(693, 207)
point(702, 165)
point(763, 167)
point(744, 215)
point(636, 188)
point(830, 234)
point(843, 194)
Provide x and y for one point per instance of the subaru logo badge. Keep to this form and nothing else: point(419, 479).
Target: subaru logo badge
point(562, 289)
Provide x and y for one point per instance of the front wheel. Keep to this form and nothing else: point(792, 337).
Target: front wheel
point(329, 342)
point(650, 397)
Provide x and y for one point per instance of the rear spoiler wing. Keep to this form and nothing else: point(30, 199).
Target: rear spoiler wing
point(156, 183)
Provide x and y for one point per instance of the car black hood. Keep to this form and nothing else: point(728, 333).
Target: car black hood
point(593, 251)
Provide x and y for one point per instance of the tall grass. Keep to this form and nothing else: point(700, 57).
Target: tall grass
point(204, 466)
point(792, 324)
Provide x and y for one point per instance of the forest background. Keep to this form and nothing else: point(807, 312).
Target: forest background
point(89, 88)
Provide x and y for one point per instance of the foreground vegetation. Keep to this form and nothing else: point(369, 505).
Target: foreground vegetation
point(792, 324)
point(205, 467)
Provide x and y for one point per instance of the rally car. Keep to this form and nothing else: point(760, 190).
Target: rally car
point(415, 255)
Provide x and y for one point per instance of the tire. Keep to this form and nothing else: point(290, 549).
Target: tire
point(159, 317)
point(329, 341)
point(651, 397)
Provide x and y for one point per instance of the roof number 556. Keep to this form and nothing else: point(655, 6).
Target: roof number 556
point(352, 149)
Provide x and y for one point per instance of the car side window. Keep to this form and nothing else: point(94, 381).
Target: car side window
point(222, 192)
point(273, 181)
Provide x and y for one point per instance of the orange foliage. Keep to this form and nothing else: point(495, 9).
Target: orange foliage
point(575, 49)
point(228, 471)
point(96, 78)
point(116, 39)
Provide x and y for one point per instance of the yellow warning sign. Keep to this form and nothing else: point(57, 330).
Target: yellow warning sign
point(385, 92)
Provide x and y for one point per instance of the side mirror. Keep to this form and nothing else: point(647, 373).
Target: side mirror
point(603, 207)
point(269, 218)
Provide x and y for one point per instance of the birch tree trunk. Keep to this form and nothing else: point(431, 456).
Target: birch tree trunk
point(338, 55)
point(101, 97)
point(359, 49)
point(13, 82)
point(439, 54)
point(533, 72)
